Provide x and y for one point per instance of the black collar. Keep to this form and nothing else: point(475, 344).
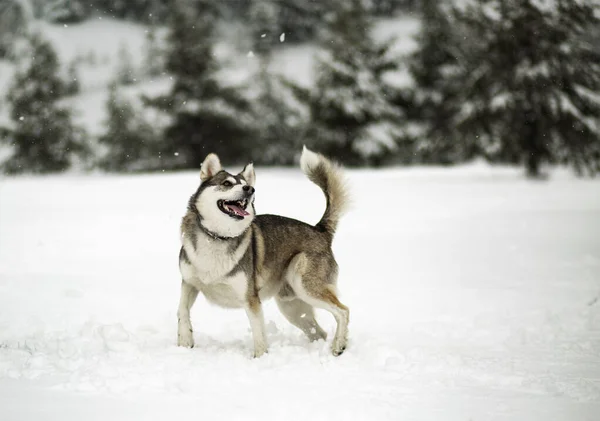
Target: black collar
point(208, 232)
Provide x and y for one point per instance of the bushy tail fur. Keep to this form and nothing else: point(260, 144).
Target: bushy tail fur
point(328, 176)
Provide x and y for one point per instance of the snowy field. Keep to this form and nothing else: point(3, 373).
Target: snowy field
point(473, 296)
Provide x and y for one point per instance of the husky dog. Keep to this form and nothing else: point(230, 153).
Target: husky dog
point(237, 259)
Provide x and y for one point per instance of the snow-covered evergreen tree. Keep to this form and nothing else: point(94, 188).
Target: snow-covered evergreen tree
point(43, 136)
point(530, 84)
point(388, 7)
point(136, 10)
point(235, 10)
point(264, 26)
point(435, 97)
point(352, 118)
point(15, 17)
point(300, 19)
point(126, 72)
point(207, 116)
point(130, 142)
point(72, 85)
point(154, 63)
point(66, 11)
point(280, 122)
point(277, 124)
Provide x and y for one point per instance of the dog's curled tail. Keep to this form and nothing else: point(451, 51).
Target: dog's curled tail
point(329, 177)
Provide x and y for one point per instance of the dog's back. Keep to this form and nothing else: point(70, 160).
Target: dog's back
point(278, 239)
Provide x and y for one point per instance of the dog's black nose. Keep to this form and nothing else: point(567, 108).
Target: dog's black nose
point(248, 189)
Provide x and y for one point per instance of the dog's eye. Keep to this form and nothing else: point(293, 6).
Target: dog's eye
point(227, 183)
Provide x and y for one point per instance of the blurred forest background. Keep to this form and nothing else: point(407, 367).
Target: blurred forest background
point(146, 85)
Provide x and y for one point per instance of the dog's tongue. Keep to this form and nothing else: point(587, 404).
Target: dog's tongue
point(237, 210)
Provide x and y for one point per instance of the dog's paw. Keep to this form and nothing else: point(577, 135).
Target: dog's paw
point(260, 352)
point(186, 341)
point(338, 346)
point(338, 351)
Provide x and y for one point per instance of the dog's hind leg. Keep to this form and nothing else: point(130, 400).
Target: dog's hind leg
point(313, 280)
point(186, 301)
point(301, 315)
point(326, 299)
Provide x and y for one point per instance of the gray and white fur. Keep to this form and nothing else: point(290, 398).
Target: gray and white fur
point(238, 259)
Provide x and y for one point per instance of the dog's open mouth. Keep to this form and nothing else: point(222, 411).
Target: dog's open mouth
point(234, 208)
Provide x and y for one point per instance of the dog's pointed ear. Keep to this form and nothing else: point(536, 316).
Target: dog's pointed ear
point(210, 167)
point(248, 174)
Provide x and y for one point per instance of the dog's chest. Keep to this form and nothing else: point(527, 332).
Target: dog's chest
point(211, 262)
point(214, 269)
point(230, 291)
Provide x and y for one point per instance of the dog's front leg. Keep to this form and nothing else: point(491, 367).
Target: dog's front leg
point(184, 325)
point(257, 324)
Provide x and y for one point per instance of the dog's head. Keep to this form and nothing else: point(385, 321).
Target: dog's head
point(225, 202)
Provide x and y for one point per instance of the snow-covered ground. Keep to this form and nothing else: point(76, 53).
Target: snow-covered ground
point(473, 296)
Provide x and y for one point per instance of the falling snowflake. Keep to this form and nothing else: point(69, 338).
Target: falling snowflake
point(250, 54)
point(282, 37)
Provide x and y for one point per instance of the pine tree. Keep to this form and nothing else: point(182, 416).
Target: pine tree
point(72, 85)
point(129, 141)
point(15, 16)
point(388, 7)
point(136, 10)
point(43, 138)
point(126, 72)
point(278, 125)
point(434, 99)
point(264, 26)
point(281, 123)
point(300, 19)
point(352, 117)
point(233, 10)
point(66, 11)
point(206, 115)
point(153, 56)
point(530, 83)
